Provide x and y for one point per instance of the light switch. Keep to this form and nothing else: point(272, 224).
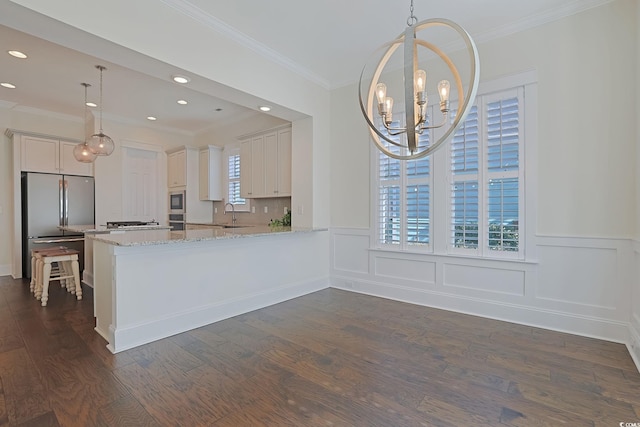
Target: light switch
point(215, 210)
point(266, 209)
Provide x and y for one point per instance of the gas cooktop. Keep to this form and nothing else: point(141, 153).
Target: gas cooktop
point(123, 224)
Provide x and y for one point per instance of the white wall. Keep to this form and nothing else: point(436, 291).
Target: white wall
point(108, 170)
point(581, 279)
point(634, 330)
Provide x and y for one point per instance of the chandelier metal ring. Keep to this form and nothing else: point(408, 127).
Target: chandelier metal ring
point(461, 113)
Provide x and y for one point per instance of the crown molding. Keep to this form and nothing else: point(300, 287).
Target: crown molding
point(7, 104)
point(223, 28)
point(570, 8)
point(47, 113)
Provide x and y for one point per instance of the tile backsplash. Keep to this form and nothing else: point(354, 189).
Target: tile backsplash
point(275, 210)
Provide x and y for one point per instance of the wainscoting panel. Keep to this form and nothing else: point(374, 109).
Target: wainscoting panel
point(634, 324)
point(420, 271)
point(576, 285)
point(501, 281)
point(578, 275)
point(350, 252)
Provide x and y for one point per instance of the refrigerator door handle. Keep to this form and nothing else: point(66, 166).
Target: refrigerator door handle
point(66, 202)
point(79, 239)
point(60, 203)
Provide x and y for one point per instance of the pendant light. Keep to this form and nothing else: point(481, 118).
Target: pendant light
point(81, 152)
point(101, 144)
point(399, 138)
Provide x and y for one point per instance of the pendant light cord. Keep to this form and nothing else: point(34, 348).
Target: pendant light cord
point(101, 68)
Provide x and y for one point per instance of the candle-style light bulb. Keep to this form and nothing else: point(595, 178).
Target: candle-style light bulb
point(388, 103)
point(421, 80)
point(419, 86)
point(444, 89)
point(381, 94)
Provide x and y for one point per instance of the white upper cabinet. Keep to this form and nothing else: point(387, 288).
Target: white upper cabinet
point(39, 154)
point(266, 164)
point(177, 169)
point(210, 166)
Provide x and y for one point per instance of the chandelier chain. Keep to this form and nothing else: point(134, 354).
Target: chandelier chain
point(411, 20)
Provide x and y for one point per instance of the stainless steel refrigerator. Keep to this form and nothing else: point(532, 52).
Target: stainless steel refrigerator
point(50, 201)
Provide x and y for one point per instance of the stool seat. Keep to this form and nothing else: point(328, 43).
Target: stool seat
point(34, 270)
point(68, 272)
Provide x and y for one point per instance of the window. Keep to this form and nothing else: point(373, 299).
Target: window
point(468, 197)
point(233, 180)
point(403, 197)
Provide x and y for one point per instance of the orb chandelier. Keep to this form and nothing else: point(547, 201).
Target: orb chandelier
point(101, 144)
point(415, 93)
point(81, 152)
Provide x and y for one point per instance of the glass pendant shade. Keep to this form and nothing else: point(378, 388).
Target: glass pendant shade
point(83, 154)
point(101, 144)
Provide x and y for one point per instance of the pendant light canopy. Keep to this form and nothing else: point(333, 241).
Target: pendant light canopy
point(101, 144)
point(81, 152)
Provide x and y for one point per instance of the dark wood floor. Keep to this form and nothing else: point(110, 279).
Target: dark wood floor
point(332, 358)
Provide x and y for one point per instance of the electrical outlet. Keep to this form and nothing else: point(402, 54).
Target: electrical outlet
point(266, 209)
point(215, 210)
point(253, 209)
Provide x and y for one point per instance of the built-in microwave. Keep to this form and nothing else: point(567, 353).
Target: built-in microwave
point(177, 202)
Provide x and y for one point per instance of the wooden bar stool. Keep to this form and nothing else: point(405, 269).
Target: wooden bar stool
point(34, 259)
point(68, 270)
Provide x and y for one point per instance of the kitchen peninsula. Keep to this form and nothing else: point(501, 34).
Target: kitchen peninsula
point(156, 283)
point(89, 229)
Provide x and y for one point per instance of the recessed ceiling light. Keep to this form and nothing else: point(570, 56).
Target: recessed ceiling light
point(182, 102)
point(92, 104)
point(151, 118)
point(264, 108)
point(17, 54)
point(180, 79)
point(8, 85)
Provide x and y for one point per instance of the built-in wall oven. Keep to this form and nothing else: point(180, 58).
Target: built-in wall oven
point(177, 209)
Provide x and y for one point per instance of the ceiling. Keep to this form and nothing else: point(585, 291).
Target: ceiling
point(309, 37)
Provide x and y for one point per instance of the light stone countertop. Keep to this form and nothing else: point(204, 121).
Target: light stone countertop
point(161, 237)
point(93, 228)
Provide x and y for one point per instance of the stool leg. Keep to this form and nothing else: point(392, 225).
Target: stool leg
point(76, 278)
point(46, 273)
point(68, 271)
point(32, 283)
point(38, 286)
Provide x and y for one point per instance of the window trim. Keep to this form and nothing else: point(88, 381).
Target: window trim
point(439, 239)
point(228, 151)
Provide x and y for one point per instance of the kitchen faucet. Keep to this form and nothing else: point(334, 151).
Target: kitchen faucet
point(233, 212)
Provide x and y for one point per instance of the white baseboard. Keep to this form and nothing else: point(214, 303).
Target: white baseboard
point(593, 327)
point(135, 335)
point(634, 340)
